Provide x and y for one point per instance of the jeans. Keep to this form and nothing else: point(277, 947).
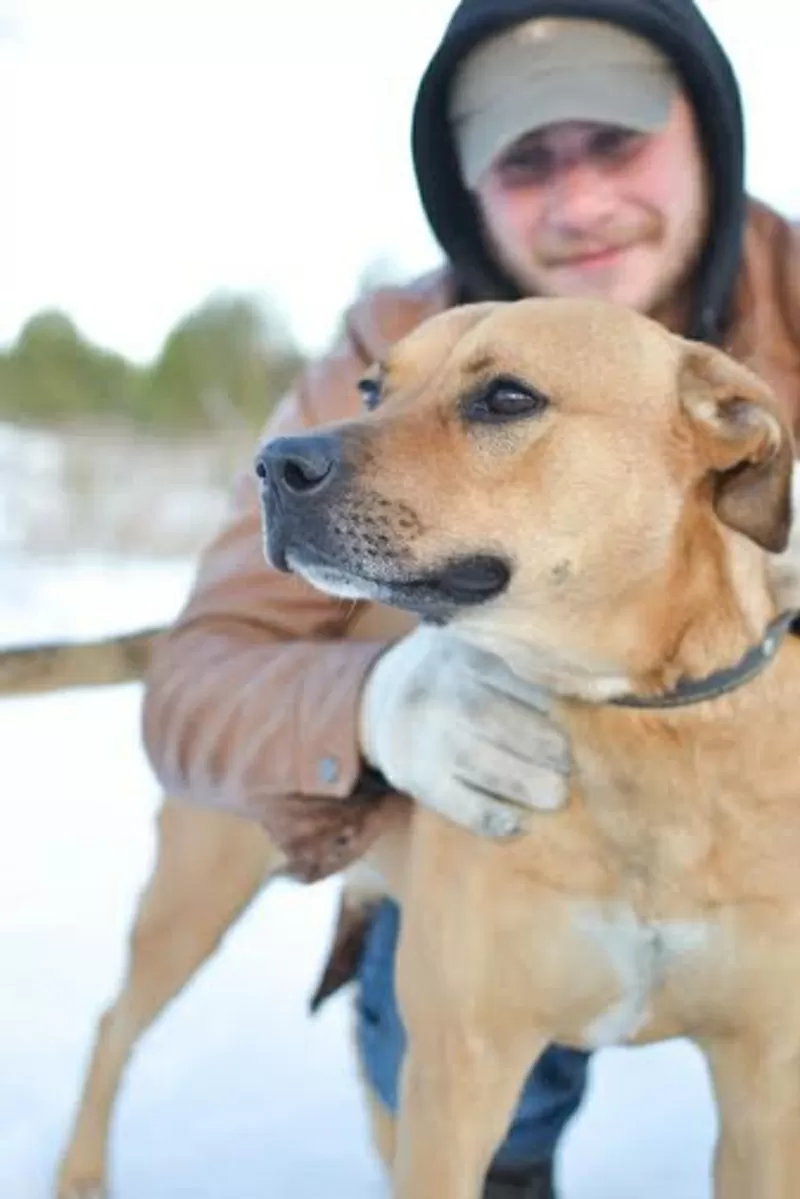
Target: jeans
point(552, 1092)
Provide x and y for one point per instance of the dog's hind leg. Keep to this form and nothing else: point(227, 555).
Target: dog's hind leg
point(757, 1089)
point(208, 868)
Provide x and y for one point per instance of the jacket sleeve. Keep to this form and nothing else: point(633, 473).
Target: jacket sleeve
point(252, 696)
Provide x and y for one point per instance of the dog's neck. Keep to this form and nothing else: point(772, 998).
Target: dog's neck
point(735, 632)
point(688, 691)
point(708, 621)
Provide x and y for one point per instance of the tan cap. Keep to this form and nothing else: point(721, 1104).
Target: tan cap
point(555, 69)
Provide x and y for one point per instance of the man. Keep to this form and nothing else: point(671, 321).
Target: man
point(568, 147)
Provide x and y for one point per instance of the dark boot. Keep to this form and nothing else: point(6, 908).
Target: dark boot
point(536, 1182)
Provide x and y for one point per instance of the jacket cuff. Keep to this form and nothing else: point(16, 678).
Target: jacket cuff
point(328, 751)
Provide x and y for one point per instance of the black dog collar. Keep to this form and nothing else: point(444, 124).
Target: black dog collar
point(695, 691)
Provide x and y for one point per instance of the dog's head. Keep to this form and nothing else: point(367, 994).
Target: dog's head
point(526, 468)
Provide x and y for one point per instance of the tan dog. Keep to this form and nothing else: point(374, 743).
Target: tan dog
point(209, 865)
point(595, 499)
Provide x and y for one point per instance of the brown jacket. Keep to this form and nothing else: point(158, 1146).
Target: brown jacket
point(252, 698)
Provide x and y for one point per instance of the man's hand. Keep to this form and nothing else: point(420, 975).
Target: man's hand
point(452, 727)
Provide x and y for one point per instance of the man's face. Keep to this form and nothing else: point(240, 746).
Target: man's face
point(580, 209)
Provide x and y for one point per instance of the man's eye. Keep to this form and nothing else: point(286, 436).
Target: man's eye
point(614, 144)
point(371, 392)
point(527, 164)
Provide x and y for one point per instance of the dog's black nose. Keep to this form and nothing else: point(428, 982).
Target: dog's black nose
point(301, 465)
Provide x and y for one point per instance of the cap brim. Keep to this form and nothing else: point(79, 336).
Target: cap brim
point(630, 98)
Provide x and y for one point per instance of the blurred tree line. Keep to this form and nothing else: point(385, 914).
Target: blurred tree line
point(224, 364)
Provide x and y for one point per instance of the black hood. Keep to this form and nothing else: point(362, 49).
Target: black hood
point(680, 30)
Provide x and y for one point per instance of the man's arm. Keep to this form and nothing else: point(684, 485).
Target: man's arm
point(251, 699)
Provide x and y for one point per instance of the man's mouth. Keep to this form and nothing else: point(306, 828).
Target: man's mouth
point(592, 259)
point(588, 256)
point(598, 257)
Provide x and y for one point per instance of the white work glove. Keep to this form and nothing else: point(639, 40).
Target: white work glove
point(451, 726)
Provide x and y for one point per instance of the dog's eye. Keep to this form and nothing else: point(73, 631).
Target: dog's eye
point(371, 391)
point(504, 400)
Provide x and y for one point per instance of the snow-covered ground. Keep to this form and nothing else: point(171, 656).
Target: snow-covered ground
point(236, 1093)
point(62, 487)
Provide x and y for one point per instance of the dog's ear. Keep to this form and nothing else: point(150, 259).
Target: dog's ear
point(745, 444)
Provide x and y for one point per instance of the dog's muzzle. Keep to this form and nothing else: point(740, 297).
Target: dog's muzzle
point(319, 522)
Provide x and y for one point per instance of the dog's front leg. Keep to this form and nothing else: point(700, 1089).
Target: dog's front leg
point(458, 1095)
point(470, 1042)
point(757, 1088)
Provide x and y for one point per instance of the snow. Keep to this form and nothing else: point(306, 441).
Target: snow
point(236, 1091)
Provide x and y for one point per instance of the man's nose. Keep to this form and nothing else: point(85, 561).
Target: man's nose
point(580, 196)
point(301, 466)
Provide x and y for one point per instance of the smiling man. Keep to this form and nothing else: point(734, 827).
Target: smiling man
point(604, 190)
point(576, 147)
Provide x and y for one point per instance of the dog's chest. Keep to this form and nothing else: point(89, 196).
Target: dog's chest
point(644, 958)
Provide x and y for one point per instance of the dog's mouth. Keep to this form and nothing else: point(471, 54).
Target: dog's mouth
point(435, 594)
point(352, 551)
